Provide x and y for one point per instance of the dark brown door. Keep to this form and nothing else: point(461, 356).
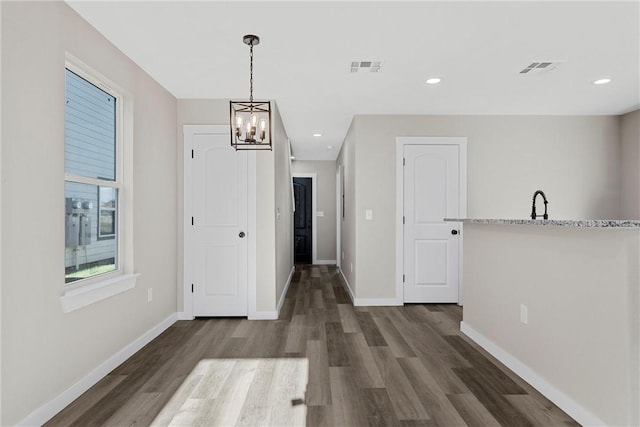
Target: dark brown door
point(302, 220)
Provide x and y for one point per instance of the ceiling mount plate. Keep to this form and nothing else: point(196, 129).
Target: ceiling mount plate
point(251, 40)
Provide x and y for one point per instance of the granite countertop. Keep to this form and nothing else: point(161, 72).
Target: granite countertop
point(597, 223)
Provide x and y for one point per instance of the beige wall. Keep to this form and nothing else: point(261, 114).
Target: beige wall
point(271, 170)
point(283, 207)
point(45, 351)
point(581, 290)
point(575, 160)
point(325, 171)
point(347, 161)
point(630, 136)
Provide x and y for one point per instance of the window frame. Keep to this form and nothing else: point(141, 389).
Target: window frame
point(116, 183)
point(113, 235)
point(79, 293)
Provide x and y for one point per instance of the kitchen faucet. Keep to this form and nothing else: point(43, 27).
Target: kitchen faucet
point(533, 207)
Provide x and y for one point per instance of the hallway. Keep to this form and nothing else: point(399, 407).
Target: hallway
point(386, 366)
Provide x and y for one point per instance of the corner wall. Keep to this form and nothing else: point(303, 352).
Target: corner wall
point(347, 160)
point(284, 262)
point(44, 351)
point(630, 136)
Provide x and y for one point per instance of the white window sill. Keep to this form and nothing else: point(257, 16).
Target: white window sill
point(81, 297)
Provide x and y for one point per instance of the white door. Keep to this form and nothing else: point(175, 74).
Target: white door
point(219, 242)
point(431, 249)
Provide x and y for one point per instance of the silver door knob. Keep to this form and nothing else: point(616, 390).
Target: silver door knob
point(241, 235)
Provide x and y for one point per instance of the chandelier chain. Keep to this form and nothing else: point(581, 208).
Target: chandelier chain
point(251, 73)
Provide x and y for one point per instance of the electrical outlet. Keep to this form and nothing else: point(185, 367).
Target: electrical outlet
point(524, 314)
point(149, 294)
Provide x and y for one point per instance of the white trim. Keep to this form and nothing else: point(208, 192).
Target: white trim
point(314, 221)
point(401, 141)
point(363, 302)
point(252, 227)
point(284, 291)
point(75, 299)
point(325, 262)
point(47, 411)
point(338, 216)
point(184, 316)
point(263, 315)
point(582, 415)
point(346, 282)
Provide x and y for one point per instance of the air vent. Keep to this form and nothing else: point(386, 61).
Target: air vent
point(539, 67)
point(370, 66)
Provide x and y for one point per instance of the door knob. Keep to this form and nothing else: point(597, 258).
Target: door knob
point(241, 235)
point(454, 232)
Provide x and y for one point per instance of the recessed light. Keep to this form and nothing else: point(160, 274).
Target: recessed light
point(433, 81)
point(317, 134)
point(601, 81)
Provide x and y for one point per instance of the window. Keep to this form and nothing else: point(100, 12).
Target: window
point(92, 178)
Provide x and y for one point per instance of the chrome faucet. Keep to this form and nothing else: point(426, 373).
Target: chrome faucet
point(533, 207)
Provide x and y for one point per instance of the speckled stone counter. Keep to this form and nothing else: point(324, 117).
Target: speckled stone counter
point(598, 223)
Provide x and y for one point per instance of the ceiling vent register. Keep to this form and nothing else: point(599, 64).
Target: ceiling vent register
point(371, 66)
point(539, 67)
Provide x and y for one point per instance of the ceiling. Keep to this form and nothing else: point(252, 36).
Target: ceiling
point(195, 50)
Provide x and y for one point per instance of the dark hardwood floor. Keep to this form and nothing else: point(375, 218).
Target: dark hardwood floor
point(378, 366)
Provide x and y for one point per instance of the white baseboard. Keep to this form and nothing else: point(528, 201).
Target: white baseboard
point(184, 316)
point(286, 288)
point(325, 262)
point(346, 282)
point(273, 315)
point(263, 315)
point(564, 402)
point(47, 411)
point(360, 302)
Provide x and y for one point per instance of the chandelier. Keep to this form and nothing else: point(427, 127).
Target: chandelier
point(251, 120)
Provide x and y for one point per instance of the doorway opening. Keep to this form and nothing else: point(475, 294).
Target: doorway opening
point(302, 222)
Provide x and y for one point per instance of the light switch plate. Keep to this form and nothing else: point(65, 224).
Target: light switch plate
point(368, 214)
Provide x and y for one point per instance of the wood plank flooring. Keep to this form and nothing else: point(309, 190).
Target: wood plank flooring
point(364, 366)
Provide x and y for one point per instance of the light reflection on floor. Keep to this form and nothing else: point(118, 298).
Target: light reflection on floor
point(240, 392)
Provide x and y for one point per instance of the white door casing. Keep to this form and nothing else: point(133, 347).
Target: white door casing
point(217, 259)
point(432, 186)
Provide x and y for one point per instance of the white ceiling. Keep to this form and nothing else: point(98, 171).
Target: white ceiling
point(477, 48)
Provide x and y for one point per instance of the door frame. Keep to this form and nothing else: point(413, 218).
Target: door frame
point(314, 221)
point(188, 132)
point(401, 141)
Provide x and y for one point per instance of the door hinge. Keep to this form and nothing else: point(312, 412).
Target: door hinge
point(403, 278)
point(403, 219)
point(404, 161)
point(192, 288)
point(191, 220)
point(192, 154)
